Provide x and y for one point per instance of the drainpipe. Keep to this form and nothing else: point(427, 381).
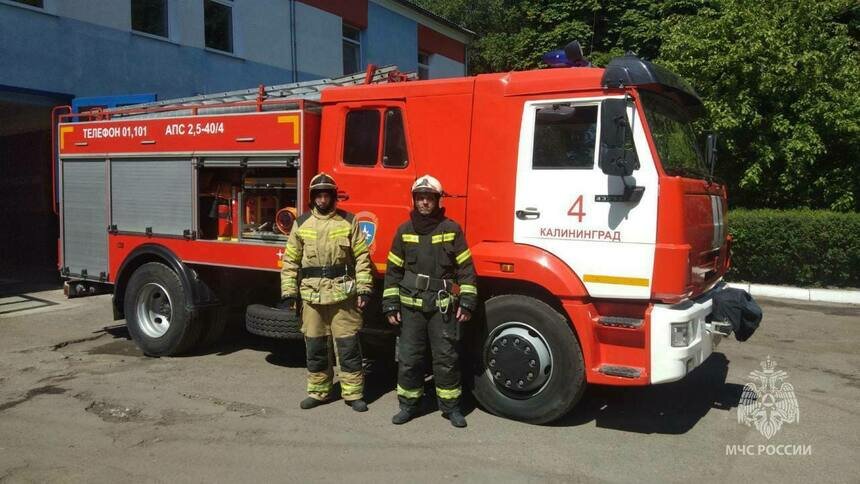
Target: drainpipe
point(293, 53)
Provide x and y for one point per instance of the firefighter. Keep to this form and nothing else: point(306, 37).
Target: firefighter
point(326, 263)
point(429, 290)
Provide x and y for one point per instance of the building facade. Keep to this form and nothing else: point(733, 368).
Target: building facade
point(98, 52)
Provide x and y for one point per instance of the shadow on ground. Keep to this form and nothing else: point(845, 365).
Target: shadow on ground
point(671, 408)
point(20, 281)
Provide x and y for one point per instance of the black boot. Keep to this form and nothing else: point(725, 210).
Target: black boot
point(402, 416)
point(456, 418)
point(357, 405)
point(311, 402)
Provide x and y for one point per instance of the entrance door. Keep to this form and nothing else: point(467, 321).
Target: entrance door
point(561, 199)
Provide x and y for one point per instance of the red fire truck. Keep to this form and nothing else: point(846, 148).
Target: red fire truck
point(596, 228)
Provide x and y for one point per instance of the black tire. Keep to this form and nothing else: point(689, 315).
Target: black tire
point(565, 382)
point(272, 323)
point(151, 282)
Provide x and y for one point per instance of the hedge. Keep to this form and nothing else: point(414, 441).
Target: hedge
point(795, 247)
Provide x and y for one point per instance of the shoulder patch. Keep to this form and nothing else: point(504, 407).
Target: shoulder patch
point(303, 218)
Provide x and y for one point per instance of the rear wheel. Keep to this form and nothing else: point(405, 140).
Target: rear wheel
point(530, 365)
point(156, 311)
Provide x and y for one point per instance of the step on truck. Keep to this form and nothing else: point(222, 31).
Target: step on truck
point(597, 230)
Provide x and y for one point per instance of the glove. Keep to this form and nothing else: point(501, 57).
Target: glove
point(363, 300)
point(463, 314)
point(287, 304)
point(393, 317)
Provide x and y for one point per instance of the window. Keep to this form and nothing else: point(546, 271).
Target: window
point(565, 137)
point(218, 24)
point(149, 16)
point(423, 65)
point(672, 131)
point(32, 3)
point(394, 149)
point(361, 141)
point(351, 50)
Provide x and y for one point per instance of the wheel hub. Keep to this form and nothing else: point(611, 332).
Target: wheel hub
point(154, 310)
point(518, 360)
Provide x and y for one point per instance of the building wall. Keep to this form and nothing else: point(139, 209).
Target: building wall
point(73, 57)
point(390, 38)
point(115, 15)
point(319, 50)
point(87, 48)
point(441, 66)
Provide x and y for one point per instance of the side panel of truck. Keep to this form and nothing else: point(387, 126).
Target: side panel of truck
point(152, 195)
point(84, 218)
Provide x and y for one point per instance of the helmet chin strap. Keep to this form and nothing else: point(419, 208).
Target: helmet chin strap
point(325, 211)
point(329, 207)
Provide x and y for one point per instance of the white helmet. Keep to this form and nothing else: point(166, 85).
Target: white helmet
point(427, 184)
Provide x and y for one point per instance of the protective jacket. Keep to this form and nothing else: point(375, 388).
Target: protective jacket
point(326, 259)
point(426, 272)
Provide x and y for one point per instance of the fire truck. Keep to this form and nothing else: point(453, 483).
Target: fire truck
point(597, 230)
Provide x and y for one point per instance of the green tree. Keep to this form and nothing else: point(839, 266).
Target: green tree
point(780, 80)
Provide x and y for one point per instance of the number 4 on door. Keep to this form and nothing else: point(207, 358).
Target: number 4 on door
point(576, 210)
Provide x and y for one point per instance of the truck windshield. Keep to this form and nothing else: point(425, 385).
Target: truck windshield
point(673, 134)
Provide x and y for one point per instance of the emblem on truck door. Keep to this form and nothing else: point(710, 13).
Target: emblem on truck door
point(367, 224)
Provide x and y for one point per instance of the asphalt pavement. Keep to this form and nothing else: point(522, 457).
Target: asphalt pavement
point(80, 403)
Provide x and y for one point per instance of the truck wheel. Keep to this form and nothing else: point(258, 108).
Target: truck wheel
point(530, 365)
point(156, 311)
point(272, 323)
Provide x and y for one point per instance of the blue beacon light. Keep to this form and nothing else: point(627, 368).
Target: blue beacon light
point(570, 56)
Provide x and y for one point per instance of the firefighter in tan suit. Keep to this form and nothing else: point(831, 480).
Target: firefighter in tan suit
point(326, 263)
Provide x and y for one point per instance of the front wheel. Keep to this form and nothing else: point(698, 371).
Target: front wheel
point(529, 363)
point(156, 311)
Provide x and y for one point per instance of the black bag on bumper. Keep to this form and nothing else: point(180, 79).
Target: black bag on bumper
point(737, 307)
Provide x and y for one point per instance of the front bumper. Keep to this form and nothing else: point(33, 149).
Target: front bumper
point(670, 363)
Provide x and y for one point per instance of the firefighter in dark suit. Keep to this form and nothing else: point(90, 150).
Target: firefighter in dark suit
point(429, 291)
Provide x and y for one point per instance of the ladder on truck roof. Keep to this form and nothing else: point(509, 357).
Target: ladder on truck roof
point(244, 100)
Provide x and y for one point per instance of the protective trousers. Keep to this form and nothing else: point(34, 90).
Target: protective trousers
point(441, 331)
point(339, 322)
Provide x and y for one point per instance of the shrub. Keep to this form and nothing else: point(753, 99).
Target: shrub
point(795, 247)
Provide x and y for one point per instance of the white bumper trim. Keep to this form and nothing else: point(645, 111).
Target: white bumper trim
point(670, 363)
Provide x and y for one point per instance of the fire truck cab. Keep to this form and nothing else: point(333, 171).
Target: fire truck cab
point(596, 230)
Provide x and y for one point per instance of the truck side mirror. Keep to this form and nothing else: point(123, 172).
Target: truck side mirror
point(617, 156)
point(711, 152)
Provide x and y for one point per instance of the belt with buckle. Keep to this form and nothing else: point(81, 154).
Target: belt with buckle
point(423, 282)
point(327, 272)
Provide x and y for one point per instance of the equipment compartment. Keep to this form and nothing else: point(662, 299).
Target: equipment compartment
point(247, 200)
point(84, 219)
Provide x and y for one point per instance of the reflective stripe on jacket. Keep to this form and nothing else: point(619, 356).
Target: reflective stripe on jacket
point(325, 240)
point(441, 254)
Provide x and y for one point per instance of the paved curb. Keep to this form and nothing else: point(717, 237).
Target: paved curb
point(842, 296)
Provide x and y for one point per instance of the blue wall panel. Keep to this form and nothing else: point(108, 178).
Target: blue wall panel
point(390, 38)
point(84, 59)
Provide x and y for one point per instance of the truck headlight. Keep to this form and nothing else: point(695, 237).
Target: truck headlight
point(682, 333)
